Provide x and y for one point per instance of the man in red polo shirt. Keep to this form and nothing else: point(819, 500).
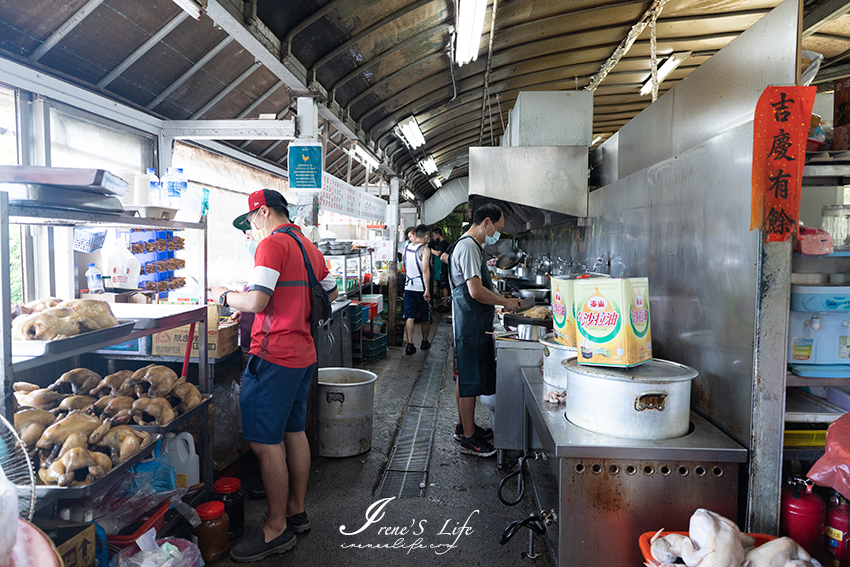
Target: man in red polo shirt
point(273, 398)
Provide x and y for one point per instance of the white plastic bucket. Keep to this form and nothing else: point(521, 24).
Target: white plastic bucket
point(346, 403)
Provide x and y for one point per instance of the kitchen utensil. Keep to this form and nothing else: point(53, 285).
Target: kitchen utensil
point(554, 373)
point(536, 294)
point(541, 279)
point(526, 332)
point(526, 303)
point(508, 261)
point(504, 273)
point(522, 272)
point(650, 401)
point(89, 180)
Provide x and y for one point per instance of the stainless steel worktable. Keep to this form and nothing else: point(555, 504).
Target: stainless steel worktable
point(607, 491)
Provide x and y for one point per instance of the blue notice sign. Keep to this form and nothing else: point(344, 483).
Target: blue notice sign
point(305, 166)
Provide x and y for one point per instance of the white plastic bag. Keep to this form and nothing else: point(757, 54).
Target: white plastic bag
point(8, 519)
point(124, 269)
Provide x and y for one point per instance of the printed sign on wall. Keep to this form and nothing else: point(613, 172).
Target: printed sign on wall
point(305, 165)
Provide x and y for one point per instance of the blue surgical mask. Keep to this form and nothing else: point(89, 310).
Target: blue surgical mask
point(251, 245)
point(292, 212)
point(492, 239)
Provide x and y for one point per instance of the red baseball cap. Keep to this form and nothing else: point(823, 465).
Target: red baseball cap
point(257, 199)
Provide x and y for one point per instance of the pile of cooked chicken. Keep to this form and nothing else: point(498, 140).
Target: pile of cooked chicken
point(48, 319)
point(77, 427)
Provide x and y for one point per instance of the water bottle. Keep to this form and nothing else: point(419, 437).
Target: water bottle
point(94, 279)
point(154, 191)
point(168, 186)
point(182, 189)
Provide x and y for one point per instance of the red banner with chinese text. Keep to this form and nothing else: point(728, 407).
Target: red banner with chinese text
point(779, 152)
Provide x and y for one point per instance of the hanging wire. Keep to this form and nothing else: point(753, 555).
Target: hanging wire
point(452, 40)
point(486, 97)
point(653, 56)
point(501, 118)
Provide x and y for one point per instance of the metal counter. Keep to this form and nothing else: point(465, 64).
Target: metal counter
point(608, 491)
point(507, 415)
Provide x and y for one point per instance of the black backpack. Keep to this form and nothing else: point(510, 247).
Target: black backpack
point(319, 300)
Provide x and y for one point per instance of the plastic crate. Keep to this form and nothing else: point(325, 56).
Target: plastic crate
point(810, 438)
point(370, 358)
point(374, 342)
point(355, 318)
point(644, 542)
point(117, 542)
point(366, 313)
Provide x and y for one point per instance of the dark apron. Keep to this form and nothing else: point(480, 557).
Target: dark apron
point(474, 349)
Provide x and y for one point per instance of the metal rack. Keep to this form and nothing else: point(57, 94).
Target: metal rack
point(359, 255)
point(23, 215)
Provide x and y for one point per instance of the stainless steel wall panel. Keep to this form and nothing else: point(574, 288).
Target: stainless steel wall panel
point(606, 158)
point(553, 178)
point(647, 138)
point(553, 118)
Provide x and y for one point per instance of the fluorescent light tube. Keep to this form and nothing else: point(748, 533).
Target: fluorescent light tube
point(408, 195)
point(435, 181)
point(190, 8)
point(428, 166)
point(366, 157)
point(408, 130)
point(664, 71)
point(596, 139)
point(470, 25)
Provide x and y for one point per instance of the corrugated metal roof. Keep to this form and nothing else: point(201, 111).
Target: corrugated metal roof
point(374, 62)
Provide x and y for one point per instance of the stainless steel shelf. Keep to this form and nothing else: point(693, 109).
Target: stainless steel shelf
point(820, 264)
point(792, 380)
point(801, 407)
point(56, 217)
point(117, 355)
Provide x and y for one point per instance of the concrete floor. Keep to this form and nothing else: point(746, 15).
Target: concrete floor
point(461, 491)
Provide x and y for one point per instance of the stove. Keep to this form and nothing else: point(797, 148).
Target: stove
point(607, 491)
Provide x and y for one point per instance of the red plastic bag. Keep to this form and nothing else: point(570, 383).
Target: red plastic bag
point(813, 242)
point(833, 469)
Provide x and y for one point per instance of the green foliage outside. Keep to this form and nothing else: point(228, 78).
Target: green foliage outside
point(452, 225)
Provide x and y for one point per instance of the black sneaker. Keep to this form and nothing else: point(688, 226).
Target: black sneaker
point(484, 432)
point(298, 523)
point(410, 349)
point(425, 345)
point(476, 446)
point(253, 547)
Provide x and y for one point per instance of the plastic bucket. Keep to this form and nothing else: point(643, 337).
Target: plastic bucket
point(346, 399)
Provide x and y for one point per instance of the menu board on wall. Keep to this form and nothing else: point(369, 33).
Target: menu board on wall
point(340, 197)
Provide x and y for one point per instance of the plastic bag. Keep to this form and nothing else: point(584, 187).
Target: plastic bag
point(8, 519)
point(168, 552)
point(228, 418)
point(162, 474)
point(811, 65)
point(833, 469)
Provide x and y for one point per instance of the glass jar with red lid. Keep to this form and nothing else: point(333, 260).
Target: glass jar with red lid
point(212, 531)
point(229, 491)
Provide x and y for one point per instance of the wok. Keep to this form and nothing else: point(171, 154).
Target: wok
point(537, 294)
point(508, 261)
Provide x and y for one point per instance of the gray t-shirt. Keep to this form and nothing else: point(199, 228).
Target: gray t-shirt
point(466, 260)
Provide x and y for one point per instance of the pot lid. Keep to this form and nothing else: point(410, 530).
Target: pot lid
point(652, 371)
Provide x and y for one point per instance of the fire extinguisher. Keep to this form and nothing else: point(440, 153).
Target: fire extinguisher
point(836, 533)
point(803, 516)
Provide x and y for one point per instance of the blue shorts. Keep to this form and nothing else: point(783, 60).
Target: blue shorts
point(415, 306)
point(273, 400)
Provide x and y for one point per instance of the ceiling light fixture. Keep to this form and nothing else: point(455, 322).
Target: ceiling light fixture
point(435, 181)
point(470, 26)
point(190, 7)
point(596, 139)
point(408, 195)
point(428, 166)
point(408, 130)
point(366, 157)
point(664, 71)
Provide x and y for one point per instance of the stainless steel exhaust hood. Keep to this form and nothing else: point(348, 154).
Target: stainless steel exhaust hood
point(552, 178)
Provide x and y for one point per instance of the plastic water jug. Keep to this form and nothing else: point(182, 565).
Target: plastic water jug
point(94, 279)
point(181, 450)
point(154, 189)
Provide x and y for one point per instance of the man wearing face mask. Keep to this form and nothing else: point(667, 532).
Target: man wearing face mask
point(473, 311)
point(273, 398)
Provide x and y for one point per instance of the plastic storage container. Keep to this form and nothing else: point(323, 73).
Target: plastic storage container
point(94, 279)
point(212, 531)
point(115, 543)
point(835, 219)
point(181, 450)
point(229, 491)
point(346, 407)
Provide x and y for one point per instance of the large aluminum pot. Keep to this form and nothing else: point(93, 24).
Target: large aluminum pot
point(541, 279)
point(530, 332)
point(522, 272)
point(554, 353)
point(650, 401)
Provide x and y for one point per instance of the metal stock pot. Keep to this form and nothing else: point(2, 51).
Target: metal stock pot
point(650, 401)
point(554, 353)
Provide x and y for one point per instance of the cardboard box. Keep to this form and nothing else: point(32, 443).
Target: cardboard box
point(221, 341)
point(137, 346)
point(74, 541)
point(612, 321)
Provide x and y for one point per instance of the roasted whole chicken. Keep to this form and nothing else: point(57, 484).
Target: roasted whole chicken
point(154, 381)
point(42, 398)
point(152, 411)
point(114, 385)
point(77, 429)
point(188, 396)
point(118, 409)
point(79, 381)
point(72, 403)
point(51, 319)
point(24, 387)
point(123, 442)
point(30, 424)
point(77, 466)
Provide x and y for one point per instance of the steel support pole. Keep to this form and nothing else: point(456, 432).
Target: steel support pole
point(392, 285)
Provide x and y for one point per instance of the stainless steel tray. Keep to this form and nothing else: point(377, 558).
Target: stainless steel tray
point(69, 344)
point(168, 427)
point(91, 180)
point(46, 196)
point(47, 492)
point(158, 316)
